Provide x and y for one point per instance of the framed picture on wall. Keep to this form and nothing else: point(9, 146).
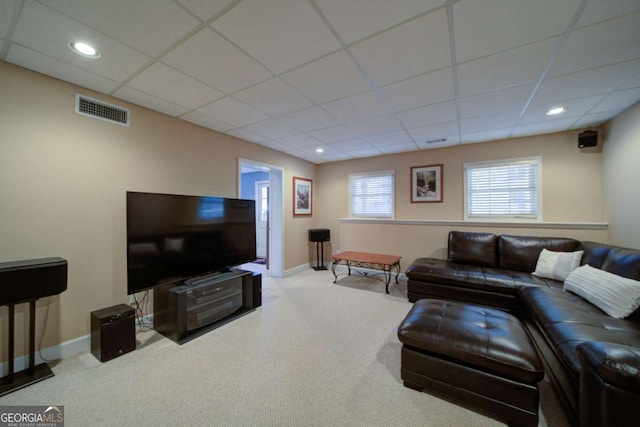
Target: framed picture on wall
point(426, 184)
point(302, 196)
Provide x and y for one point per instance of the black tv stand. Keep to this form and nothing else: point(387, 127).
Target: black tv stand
point(198, 305)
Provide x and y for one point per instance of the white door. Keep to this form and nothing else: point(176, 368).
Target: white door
point(262, 218)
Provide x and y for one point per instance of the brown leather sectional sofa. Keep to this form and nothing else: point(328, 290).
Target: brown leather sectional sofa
point(592, 359)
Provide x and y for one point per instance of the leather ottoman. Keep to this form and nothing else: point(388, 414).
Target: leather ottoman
point(477, 357)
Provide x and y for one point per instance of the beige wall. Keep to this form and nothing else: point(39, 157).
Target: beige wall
point(63, 180)
point(572, 192)
point(621, 165)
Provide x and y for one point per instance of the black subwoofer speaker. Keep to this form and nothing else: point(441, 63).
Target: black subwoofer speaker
point(113, 332)
point(252, 289)
point(257, 289)
point(588, 138)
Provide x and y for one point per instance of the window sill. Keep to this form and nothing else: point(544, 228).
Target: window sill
point(461, 223)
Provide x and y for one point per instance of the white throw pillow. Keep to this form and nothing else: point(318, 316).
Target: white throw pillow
point(615, 295)
point(557, 265)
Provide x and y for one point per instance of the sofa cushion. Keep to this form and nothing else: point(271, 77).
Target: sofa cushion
point(521, 253)
point(623, 262)
point(567, 320)
point(615, 295)
point(594, 253)
point(431, 270)
point(557, 265)
point(479, 249)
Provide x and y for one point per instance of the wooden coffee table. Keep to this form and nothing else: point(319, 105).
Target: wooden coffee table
point(385, 263)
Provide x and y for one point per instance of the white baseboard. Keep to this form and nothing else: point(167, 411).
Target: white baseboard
point(59, 351)
point(296, 270)
point(56, 352)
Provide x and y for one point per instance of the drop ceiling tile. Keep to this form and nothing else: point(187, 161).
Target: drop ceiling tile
point(618, 100)
point(543, 127)
point(307, 153)
point(489, 26)
point(281, 34)
point(575, 107)
point(246, 135)
point(233, 112)
point(383, 124)
point(594, 120)
point(597, 11)
point(273, 97)
point(487, 135)
point(46, 31)
point(41, 63)
point(588, 82)
point(508, 68)
point(309, 119)
point(422, 90)
point(431, 114)
point(211, 59)
point(394, 138)
point(490, 121)
point(276, 145)
point(205, 9)
point(631, 82)
point(333, 134)
point(413, 48)
point(356, 107)
point(398, 148)
point(496, 101)
point(6, 13)
point(298, 141)
point(147, 25)
point(365, 152)
point(207, 121)
point(351, 145)
point(433, 132)
point(613, 41)
point(270, 129)
point(154, 103)
point(346, 17)
point(332, 157)
point(449, 141)
point(328, 78)
point(166, 83)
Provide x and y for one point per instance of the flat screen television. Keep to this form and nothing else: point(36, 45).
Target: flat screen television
point(173, 237)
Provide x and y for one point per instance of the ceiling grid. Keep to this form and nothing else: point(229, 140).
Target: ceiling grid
point(354, 77)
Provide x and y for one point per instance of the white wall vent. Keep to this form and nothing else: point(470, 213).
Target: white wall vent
point(90, 107)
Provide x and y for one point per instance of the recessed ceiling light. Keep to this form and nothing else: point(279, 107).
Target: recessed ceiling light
point(557, 110)
point(319, 150)
point(84, 49)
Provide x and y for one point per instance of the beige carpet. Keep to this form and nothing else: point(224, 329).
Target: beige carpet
point(315, 354)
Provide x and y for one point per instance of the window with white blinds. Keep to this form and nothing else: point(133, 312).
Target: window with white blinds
point(371, 194)
point(503, 189)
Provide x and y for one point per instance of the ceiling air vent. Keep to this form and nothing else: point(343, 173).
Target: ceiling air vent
point(89, 107)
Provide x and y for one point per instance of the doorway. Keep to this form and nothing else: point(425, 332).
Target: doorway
point(262, 221)
point(265, 184)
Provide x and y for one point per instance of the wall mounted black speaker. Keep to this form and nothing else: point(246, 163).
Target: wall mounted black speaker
point(113, 332)
point(319, 235)
point(588, 138)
